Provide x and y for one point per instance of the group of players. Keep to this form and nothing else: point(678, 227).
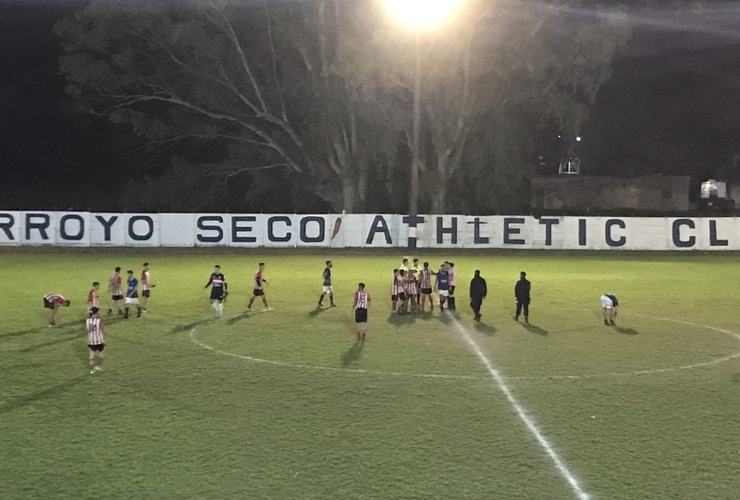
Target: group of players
point(94, 323)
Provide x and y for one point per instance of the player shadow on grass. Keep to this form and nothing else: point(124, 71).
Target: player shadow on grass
point(61, 340)
point(485, 328)
point(189, 326)
point(626, 331)
point(401, 319)
point(60, 326)
point(316, 311)
point(29, 399)
point(353, 354)
point(535, 329)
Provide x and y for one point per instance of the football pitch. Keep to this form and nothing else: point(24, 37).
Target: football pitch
point(285, 404)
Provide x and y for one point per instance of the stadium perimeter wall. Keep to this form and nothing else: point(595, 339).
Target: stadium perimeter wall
point(86, 229)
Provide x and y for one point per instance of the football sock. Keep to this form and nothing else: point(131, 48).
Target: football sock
point(126, 314)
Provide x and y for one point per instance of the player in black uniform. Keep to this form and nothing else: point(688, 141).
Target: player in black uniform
point(327, 286)
point(219, 291)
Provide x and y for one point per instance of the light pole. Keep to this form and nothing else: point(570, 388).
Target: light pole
point(419, 15)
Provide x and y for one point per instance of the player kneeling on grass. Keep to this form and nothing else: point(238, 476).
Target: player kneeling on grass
point(609, 305)
point(52, 302)
point(361, 305)
point(219, 291)
point(95, 340)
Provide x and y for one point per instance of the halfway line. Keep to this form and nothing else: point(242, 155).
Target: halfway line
point(521, 412)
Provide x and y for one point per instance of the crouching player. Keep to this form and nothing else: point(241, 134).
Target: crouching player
point(95, 340)
point(361, 305)
point(609, 305)
point(52, 302)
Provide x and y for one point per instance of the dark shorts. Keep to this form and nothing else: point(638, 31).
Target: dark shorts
point(394, 297)
point(402, 296)
point(426, 291)
point(145, 293)
point(96, 347)
point(48, 305)
point(257, 293)
point(360, 315)
point(116, 297)
point(217, 294)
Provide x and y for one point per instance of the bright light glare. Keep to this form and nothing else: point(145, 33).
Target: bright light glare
point(422, 13)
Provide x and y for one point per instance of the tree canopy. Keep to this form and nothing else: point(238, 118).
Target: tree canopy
point(319, 96)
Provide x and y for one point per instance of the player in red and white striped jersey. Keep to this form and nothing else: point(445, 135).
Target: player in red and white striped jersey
point(396, 290)
point(95, 340)
point(425, 283)
point(146, 286)
point(258, 291)
point(52, 302)
point(116, 291)
point(93, 298)
point(361, 304)
point(411, 289)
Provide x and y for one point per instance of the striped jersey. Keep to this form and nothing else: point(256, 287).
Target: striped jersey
point(425, 278)
point(94, 327)
point(146, 281)
point(362, 299)
point(453, 276)
point(396, 285)
point(54, 298)
point(258, 280)
point(410, 284)
point(93, 299)
point(114, 284)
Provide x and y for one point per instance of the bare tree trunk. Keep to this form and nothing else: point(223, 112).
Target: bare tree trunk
point(439, 198)
point(349, 195)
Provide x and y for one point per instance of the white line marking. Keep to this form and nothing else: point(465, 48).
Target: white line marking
point(526, 419)
point(328, 368)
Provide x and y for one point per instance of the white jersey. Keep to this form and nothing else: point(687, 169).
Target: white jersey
point(94, 327)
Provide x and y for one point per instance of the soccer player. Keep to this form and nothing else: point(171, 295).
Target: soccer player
point(402, 286)
point(442, 285)
point(404, 265)
point(425, 283)
point(146, 286)
point(416, 270)
point(453, 283)
point(396, 291)
point(257, 290)
point(478, 291)
point(411, 292)
point(609, 305)
point(93, 298)
point(132, 295)
point(95, 340)
point(52, 302)
point(521, 292)
point(116, 292)
point(361, 305)
point(219, 290)
point(327, 286)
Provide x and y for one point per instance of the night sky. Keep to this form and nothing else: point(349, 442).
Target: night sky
point(671, 107)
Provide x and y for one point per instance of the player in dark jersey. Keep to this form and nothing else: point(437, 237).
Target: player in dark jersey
point(132, 295)
point(327, 286)
point(442, 284)
point(258, 290)
point(219, 290)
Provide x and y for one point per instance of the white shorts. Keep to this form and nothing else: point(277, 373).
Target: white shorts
point(444, 293)
point(327, 289)
point(606, 302)
point(132, 300)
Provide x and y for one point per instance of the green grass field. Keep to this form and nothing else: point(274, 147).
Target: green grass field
point(285, 404)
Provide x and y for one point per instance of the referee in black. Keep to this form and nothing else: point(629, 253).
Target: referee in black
point(521, 292)
point(478, 291)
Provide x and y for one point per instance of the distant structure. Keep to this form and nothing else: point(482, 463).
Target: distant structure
point(572, 194)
